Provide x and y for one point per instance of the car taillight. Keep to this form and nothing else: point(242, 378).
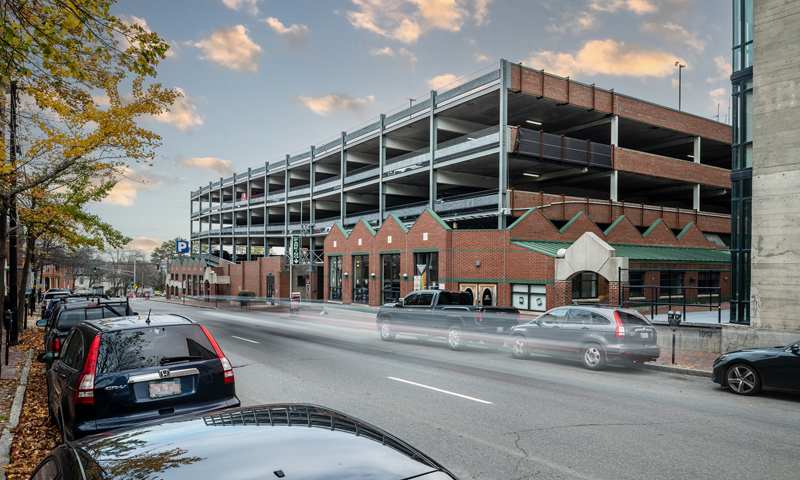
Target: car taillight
point(620, 333)
point(227, 369)
point(478, 316)
point(85, 391)
point(517, 316)
point(56, 345)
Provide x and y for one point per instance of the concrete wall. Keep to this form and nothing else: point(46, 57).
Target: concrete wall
point(775, 290)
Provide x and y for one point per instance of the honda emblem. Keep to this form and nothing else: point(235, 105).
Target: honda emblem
point(163, 373)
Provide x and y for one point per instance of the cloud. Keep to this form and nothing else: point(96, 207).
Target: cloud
point(231, 48)
point(674, 33)
point(718, 96)
point(724, 70)
point(607, 57)
point(249, 5)
point(639, 7)
point(133, 20)
point(129, 183)
point(407, 20)
point(206, 163)
point(479, 57)
point(144, 243)
point(574, 23)
point(442, 81)
point(297, 36)
point(182, 114)
point(402, 55)
point(336, 101)
point(482, 11)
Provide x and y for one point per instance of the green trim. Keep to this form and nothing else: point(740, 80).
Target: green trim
point(366, 224)
point(425, 250)
point(390, 252)
point(685, 229)
point(326, 276)
point(436, 217)
point(341, 229)
point(639, 253)
point(653, 227)
point(575, 218)
point(614, 225)
point(530, 210)
point(397, 220)
point(334, 254)
point(498, 280)
point(283, 271)
point(359, 253)
point(406, 279)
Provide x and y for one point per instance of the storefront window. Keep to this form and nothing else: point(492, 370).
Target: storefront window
point(529, 297)
point(361, 279)
point(708, 283)
point(335, 278)
point(426, 267)
point(584, 285)
point(673, 280)
point(390, 275)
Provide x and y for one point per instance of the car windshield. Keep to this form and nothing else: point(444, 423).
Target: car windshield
point(145, 347)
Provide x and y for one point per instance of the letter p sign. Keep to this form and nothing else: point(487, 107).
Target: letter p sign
point(181, 247)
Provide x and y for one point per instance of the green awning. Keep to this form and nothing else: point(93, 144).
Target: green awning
point(638, 253)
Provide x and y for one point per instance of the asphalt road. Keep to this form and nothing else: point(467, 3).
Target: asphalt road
point(485, 415)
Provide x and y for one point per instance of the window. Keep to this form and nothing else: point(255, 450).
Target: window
point(301, 281)
point(742, 34)
point(426, 266)
point(584, 285)
point(674, 280)
point(411, 299)
point(72, 351)
point(425, 299)
point(708, 283)
point(453, 298)
point(598, 319)
point(556, 317)
point(390, 277)
point(134, 349)
point(529, 297)
point(579, 317)
point(361, 279)
point(335, 278)
point(636, 281)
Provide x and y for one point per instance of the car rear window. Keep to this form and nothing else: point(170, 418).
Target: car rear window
point(453, 298)
point(631, 319)
point(69, 318)
point(140, 348)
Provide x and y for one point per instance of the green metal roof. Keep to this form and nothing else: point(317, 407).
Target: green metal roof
point(639, 253)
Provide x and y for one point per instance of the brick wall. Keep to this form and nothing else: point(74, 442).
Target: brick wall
point(664, 167)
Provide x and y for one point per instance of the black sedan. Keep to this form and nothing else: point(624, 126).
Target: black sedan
point(746, 372)
point(292, 441)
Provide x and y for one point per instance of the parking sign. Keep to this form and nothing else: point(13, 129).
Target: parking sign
point(181, 246)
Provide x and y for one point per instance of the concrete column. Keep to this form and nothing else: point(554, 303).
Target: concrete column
point(696, 188)
point(381, 164)
point(502, 171)
point(434, 140)
point(614, 184)
point(342, 195)
point(312, 174)
point(286, 184)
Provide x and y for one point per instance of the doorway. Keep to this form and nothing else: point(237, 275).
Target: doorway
point(482, 293)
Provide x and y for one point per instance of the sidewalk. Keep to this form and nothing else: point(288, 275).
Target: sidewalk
point(687, 359)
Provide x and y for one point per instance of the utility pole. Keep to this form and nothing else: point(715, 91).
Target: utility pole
point(680, 67)
point(12, 213)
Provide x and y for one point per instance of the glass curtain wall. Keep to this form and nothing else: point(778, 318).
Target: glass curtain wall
point(361, 279)
point(391, 277)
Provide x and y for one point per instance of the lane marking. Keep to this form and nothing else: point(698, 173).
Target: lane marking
point(440, 390)
point(245, 339)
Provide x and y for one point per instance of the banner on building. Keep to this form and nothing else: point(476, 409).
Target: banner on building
point(295, 250)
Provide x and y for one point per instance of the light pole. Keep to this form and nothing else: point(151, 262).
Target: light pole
point(678, 64)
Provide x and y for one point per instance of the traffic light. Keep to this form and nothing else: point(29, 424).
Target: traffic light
point(131, 283)
point(94, 269)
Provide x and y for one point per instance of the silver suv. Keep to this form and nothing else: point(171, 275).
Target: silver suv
point(595, 335)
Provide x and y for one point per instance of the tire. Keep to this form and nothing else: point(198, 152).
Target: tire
point(50, 415)
point(387, 334)
point(743, 379)
point(593, 357)
point(455, 337)
point(519, 347)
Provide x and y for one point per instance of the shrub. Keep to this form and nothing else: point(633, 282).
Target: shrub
point(246, 293)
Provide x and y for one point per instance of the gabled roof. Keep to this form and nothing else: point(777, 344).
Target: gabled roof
point(641, 253)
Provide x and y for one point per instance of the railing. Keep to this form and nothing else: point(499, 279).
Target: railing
point(407, 113)
point(213, 231)
point(256, 229)
point(462, 202)
point(274, 228)
point(299, 191)
point(420, 157)
point(227, 230)
point(330, 183)
point(277, 165)
point(561, 148)
point(473, 142)
point(323, 149)
point(257, 199)
point(244, 229)
point(277, 196)
point(409, 210)
point(371, 216)
point(369, 129)
point(255, 171)
point(299, 158)
point(476, 84)
point(227, 180)
point(361, 174)
point(227, 205)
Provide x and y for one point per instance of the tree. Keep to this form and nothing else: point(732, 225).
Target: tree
point(166, 252)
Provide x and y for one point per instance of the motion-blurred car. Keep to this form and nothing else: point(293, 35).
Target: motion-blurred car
point(747, 372)
point(118, 372)
point(272, 441)
point(596, 335)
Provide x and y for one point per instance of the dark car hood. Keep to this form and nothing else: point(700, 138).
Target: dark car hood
point(254, 442)
point(758, 350)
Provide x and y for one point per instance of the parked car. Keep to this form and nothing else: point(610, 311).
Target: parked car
point(747, 372)
point(71, 310)
point(446, 313)
point(52, 295)
point(270, 441)
point(118, 372)
point(596, 335)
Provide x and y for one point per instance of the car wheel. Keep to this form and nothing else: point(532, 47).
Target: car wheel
point(743, 380)
point(455, 337)
point(519, 347)
point(387, 334)
point(50, 415)
point(593, 357)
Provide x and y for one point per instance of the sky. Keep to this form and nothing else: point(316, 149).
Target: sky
point(264, 78)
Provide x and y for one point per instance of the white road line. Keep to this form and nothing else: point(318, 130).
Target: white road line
point(245, 339)
point(440, 390)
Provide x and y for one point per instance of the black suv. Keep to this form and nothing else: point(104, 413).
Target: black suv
point(123, 371)
point(68, 312)
point(594, 334)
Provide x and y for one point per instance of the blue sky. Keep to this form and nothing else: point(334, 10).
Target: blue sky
point(263, 78)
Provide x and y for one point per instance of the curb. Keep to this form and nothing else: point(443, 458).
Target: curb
point(681, 370)
point(13, 420)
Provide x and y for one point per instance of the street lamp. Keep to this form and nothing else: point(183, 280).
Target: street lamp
point(678, 64)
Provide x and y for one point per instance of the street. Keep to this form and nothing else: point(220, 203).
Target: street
point(484, 415)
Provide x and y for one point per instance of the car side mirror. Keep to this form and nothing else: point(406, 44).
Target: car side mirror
point(399, 304)
point(796, 348)
point(46, 357)
point(41, 323)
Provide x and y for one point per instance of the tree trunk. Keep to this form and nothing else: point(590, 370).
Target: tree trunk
point(3, 252)
point(30, 244)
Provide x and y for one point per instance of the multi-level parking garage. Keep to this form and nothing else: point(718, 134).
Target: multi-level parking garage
point(479, 155)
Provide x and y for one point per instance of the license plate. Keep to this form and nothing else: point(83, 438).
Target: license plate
point(645, 335)
point(165, 388)
point(500, 329)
